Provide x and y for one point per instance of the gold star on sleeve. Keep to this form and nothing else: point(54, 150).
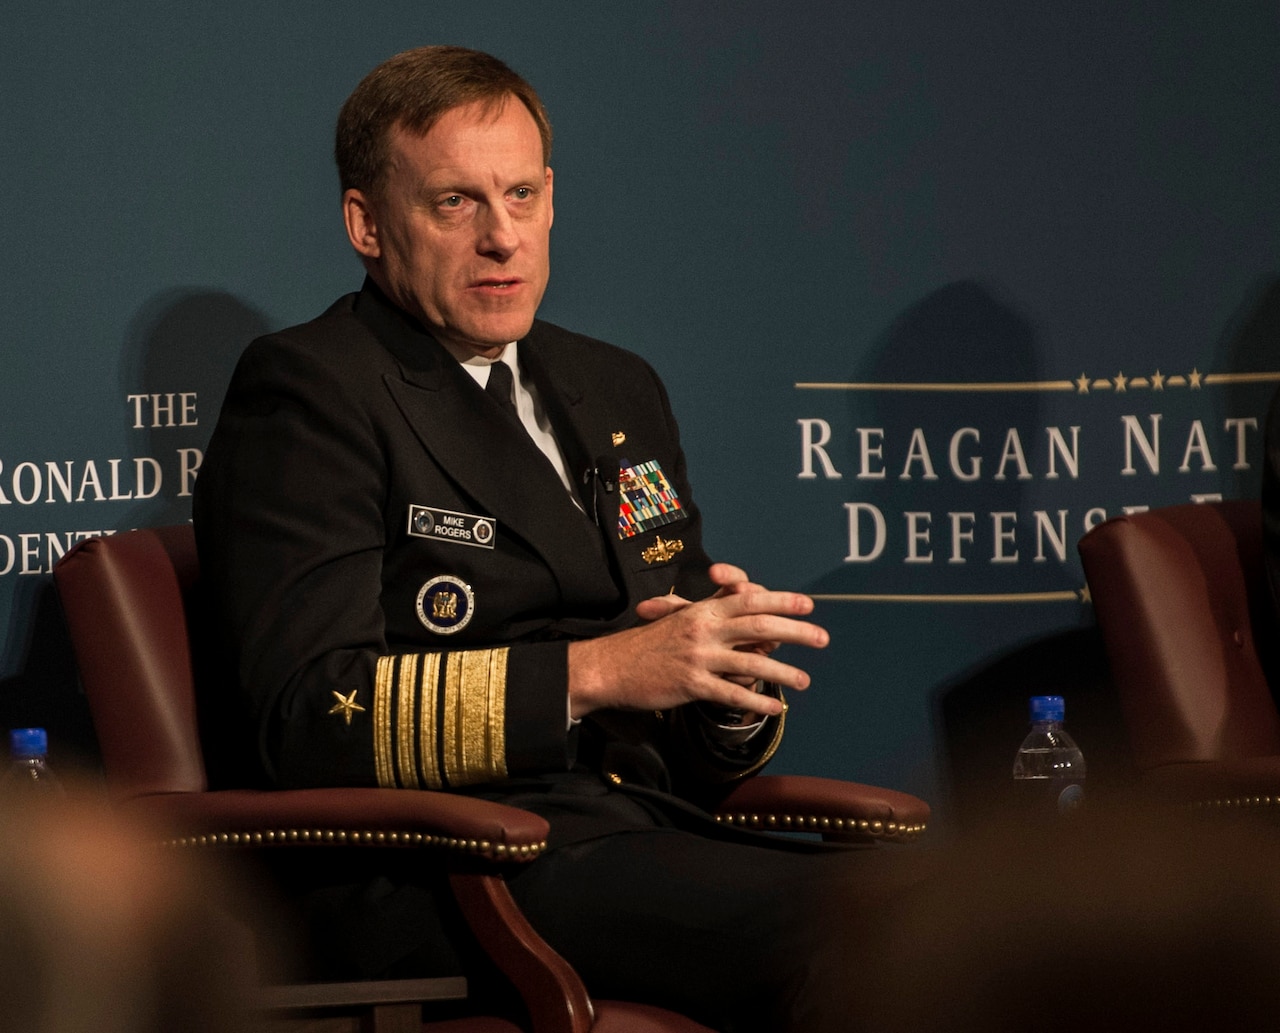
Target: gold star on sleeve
point(346, 705)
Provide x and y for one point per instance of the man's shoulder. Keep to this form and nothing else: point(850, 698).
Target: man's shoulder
point(335, 337)
point(556, 344)
point(337, 324)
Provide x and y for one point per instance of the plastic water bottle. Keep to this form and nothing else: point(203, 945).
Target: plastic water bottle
point(1049, 763)
point(29, 769)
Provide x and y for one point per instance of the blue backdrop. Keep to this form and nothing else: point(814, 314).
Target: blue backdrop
point(934, 287)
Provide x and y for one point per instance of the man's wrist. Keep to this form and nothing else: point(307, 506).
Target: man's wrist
point(584, 678)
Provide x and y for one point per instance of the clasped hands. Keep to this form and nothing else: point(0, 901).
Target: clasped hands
point(715, 649)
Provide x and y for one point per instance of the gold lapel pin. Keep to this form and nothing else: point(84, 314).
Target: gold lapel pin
point(618, 438)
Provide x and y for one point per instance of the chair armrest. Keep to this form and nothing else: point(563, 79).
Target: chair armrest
point(1238, 783)
point(343, 817)
point(838, 810)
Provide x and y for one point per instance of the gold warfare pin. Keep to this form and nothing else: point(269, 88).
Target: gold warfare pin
point(662, 551)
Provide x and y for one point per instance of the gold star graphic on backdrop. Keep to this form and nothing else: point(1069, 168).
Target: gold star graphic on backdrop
point(1157, 381)
point(1121, 380)
point(346, 705)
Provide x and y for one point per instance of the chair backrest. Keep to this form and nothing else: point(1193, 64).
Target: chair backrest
point(128, 598)
point(1184, 609)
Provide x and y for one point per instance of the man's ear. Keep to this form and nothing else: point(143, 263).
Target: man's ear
point(551, 209)
point(361, 223)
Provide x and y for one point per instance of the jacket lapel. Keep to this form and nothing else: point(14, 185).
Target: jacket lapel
point(562, 394)
point(585, 441)
point(492, 460)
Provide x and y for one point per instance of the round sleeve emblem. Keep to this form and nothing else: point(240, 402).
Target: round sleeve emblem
point(445, 604)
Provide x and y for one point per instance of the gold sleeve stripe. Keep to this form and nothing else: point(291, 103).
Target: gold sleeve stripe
point(406, 763)
point(496, 708)
point(419, 744)
point(452, 724)
point(427, 722)
point(474, 711)
point(473, 715)
point(383, 687)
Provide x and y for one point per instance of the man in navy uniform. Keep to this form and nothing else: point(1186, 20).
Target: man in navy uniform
point(454, 547)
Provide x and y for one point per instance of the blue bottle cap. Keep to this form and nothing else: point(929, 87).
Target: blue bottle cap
point(28, 742)
point(1047, 708)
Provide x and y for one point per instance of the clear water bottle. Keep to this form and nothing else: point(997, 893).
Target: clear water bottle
point(29, 769)
point(1049, 764)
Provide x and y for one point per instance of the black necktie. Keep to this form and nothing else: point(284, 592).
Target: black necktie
point(499, 388)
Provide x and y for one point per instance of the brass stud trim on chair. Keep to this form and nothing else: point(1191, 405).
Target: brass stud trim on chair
point(361, 837)
point(824, 823)
point(1229, 802)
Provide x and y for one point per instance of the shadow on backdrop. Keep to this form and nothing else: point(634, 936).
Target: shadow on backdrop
point(181, 340)
point(1250, 343)
point(963, 332)
point(960, 333)
point(983, 713)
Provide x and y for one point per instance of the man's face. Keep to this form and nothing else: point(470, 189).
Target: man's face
point(459, 233)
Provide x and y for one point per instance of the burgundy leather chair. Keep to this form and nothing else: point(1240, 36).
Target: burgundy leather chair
point(134, 613)
point(1185, 613)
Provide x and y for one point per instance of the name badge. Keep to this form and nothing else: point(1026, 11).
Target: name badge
point(444, 525)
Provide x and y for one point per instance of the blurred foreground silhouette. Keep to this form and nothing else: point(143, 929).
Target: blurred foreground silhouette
point(1120, 918)
point(102, 931)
